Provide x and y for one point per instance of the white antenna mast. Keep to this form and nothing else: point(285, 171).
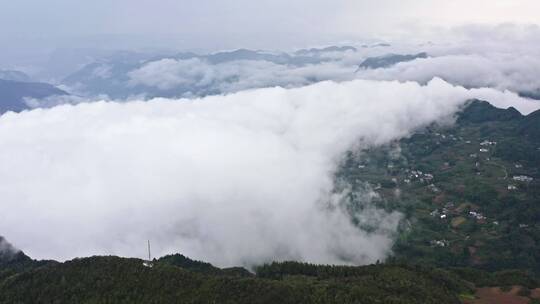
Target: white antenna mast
point(149, 262)
point(149, 256)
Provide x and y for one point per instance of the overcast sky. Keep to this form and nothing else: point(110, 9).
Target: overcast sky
point(263, 23)
point(31, 29)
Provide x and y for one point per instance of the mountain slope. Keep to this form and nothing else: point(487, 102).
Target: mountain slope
point(13, 261)
point(388, 60)
point(530, 126)
point(12, 94)
point(469, 192)
point(478, 111)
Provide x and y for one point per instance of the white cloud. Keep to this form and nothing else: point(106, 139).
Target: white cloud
point(166, 74)
point(54, 100)
point(237, 179)
point(197, 75)
point(102, 71)
point(502, 57)
point(500, 71)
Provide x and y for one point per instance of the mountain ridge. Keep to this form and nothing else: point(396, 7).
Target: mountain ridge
point(13, 93)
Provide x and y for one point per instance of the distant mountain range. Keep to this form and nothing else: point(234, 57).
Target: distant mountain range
point(132, 75)
point(329, 49)
point(199, 74)
point(389, 60)
point(111, 75)
point(13, 94)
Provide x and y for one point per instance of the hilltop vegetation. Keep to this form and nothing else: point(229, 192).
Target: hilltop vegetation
point(119, 280)
point(178, 279)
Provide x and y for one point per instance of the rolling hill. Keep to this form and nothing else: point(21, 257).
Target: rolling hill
point(13, 94)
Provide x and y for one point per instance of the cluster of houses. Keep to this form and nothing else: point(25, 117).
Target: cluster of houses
point(485, 144)
point(436, 213)
point(446, 210)
point(450, 136)
point(519, 178)
point(477, 215)
point(413, 175)
point(434, 188)
point(523, 178)
point(439, 243)
point(449, 209)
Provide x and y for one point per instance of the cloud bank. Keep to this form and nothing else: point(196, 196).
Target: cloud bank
point(200, 76)
point(500, 71)
point(239, 179)
point(503, 57)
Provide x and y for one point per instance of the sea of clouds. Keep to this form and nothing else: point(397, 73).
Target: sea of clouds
point(236, 166)
point(236, 179)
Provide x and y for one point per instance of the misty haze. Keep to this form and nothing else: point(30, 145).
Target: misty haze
point(270, 152)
